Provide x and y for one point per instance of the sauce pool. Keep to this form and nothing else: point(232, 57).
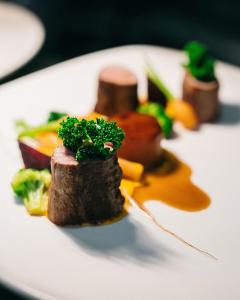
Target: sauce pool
point(171, 184)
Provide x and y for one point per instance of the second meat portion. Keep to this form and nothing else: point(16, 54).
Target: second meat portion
point(117, 91)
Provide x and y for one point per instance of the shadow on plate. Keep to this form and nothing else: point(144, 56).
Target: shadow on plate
point(229, 114)
point(18, 200)
point(122, 240)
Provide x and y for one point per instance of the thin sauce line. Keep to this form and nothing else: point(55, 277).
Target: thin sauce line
point(148, 214)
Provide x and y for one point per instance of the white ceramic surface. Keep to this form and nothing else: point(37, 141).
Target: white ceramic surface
point(130, 259)
point(21, 36)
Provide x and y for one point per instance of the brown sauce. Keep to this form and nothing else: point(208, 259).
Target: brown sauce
point(171, 183)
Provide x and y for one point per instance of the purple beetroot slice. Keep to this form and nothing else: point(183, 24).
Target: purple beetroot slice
point(33, 158)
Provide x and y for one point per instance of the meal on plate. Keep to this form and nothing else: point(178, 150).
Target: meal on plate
point(89, 169)
point(43, 146)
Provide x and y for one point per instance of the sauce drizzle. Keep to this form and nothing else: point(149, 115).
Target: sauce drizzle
point(171, 183)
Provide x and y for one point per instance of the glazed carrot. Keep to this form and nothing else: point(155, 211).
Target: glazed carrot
point(130, 169)
point(93, 116)
point(47, 141)
point(183, 112)
point(129, 186)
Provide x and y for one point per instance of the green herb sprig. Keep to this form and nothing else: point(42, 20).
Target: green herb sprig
point(98, 139)
point(200, 64)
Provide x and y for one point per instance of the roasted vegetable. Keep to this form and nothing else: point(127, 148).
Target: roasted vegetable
point(55, 115)
point(91, 139)
point(177, 110)
point(156, 110)
point(182, 112)
point(23, 129)
point(130, 169)
point(200, 64)
point(129, 186)
point(154, 77)
point(32, 187)
point(52, 125)
point(32, 157)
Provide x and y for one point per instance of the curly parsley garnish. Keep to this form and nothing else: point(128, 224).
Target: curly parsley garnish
point(91, 139)
point(200, 64)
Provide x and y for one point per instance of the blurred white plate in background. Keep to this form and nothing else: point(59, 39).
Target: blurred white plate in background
point(21, 36)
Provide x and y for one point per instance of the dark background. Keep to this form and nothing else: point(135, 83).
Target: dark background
point(77, 27)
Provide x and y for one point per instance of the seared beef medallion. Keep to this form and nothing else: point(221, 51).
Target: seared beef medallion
point(85, 191)
point(203, 96)
point(117, 91)
point(200, 84)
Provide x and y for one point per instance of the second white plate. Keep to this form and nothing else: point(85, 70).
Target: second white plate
point(21, 36)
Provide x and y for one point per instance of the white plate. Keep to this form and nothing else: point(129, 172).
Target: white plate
point(21, 36)
point(130, 259)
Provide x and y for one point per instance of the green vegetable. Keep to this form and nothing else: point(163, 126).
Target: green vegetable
point(200, 64)
point(54, 116)
point(23, 129)
point(32, 187)
point(21, 125)
point(157, 110)
point(154, 77)
point(53, 123)
point(91, 139)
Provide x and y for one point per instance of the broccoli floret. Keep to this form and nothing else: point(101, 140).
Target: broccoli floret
point(32, 187)
point(55, 115)
point(157, 110)
point(91, 139)
point(200, 64)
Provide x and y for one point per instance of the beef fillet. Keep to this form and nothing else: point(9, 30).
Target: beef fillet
point(83, 192)
point(203, 96)
point(117, 91)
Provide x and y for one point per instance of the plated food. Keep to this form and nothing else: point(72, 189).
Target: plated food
point(149, 263)
point(85, 169)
